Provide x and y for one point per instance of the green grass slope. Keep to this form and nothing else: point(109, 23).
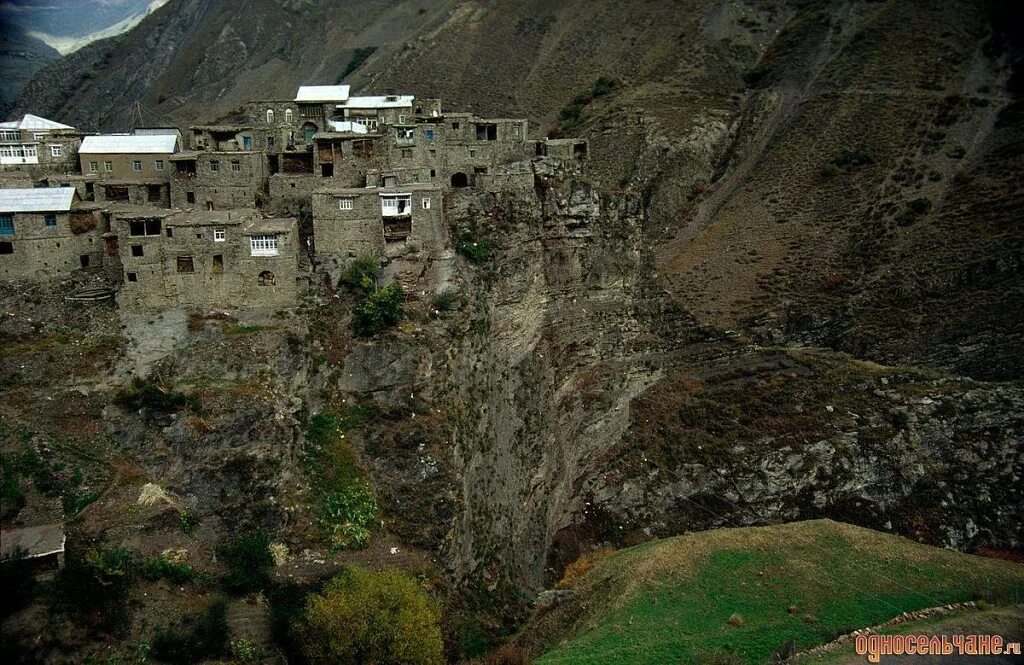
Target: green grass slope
point(748, 592)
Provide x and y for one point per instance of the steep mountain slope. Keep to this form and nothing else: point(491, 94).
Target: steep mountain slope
point(764, 175)
point(756, 594)
point(21, 56)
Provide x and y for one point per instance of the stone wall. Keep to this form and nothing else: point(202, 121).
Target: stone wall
point(190, 268)
point(38, 251)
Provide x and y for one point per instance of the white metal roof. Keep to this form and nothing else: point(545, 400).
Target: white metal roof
point(346, 126)
point(37, 199)
point(122, 143)
point(378, 102)
point(33, 122)
point(322, 93)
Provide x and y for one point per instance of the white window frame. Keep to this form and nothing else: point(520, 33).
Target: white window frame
point(10, 135)
point(426, 203)
point(390, 205)
point(136, 165)
point(401, 119)
point(270, 116)
point(346, 203)
point(108, 167)
point(158, 165)
point(94, 167)
point(220, 235)
point(263, 245)
point(288, 116)
point(30, 151)
point(56, 151)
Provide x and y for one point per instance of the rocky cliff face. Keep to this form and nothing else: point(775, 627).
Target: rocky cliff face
point(660, 345)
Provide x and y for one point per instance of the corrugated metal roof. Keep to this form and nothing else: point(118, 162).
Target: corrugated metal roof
point(322, 93)
point(378, 102)
point(120, 143)
point(37, 199)
point(33, 122)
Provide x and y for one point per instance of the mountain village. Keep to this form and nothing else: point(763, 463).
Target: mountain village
point(211, 217)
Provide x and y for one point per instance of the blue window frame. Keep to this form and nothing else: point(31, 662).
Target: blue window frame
point(428, 134)
point(6, 225)
point(50, 220)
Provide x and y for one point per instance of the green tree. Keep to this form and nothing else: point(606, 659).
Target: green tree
point(361, 616)
point(381, 309)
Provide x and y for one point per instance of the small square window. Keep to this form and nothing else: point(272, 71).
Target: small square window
point(6, 248)
point(136, 165)
point(170, 231)
point(94, 167)
point(428, 134)
point(426, 203)
point(346, 203)
point(132, 277)
point(108, 166)
point(190, 197)
point(50, 221)
point(401, 119)
point(214, 165)
point(472, 153)
point(185, 264)
point(159, 165)
point(220, 235)
point(455, 125)
point(137, 250)
point(55, 151)
point(270, 142)
point(236, 166)
point(406, 153)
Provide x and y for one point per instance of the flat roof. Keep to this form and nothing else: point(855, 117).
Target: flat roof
point(37, 199)
point(389, 191)
point(322, 93)
point(199, 217)
point(33, 541)
point(271, 225)
point(109, 144)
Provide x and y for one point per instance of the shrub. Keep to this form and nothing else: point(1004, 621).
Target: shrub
point(381, 309)
point(362, 273)
point(347, 508)
point(150, 396)
point(160, 567)
point(200, 637)
point(477, 250)
point(188, 520)
point(246, 652)
point(445, 301)
point(96, 583)
point(756, 75)
point(248, 561)
point(348, 516)
point(366, 616)
point(575, 571)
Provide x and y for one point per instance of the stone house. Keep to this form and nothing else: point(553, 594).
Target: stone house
point(35, 144)
point(132, 169)
point(217, 180)
point(225, 259)
point(44, 233)
point(403, 224)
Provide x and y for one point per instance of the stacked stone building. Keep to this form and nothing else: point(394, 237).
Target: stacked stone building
point(195, 219)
